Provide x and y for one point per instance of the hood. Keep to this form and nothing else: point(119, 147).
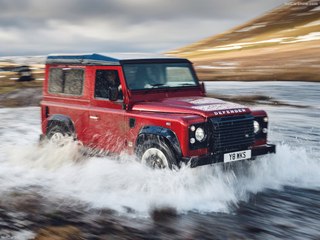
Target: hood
point(203, 106)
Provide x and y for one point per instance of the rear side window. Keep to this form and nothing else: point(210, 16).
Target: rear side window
point(56, 80)
point(66, 81)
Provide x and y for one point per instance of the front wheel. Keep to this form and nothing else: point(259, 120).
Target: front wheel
point(157, 156)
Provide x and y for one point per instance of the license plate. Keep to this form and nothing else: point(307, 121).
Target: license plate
point(235, 156)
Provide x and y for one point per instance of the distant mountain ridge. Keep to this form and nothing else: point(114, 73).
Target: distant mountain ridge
point(283, 44)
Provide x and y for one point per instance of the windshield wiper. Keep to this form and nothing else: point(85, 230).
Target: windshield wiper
point(187, 84)
point(157, 85)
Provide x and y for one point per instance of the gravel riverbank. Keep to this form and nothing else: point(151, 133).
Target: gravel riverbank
point(21, 97)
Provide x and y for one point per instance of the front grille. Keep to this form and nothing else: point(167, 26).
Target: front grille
point(230, 134)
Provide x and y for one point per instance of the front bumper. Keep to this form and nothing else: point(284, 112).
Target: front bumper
point(218, 158)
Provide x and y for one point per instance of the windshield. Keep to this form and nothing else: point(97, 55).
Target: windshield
point(159, 75)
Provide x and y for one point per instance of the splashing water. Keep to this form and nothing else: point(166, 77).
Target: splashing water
point(122, 184)
point(126, 184)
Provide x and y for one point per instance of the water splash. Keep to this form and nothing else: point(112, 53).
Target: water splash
point(124, 184)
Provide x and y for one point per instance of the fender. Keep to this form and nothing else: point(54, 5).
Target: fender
point(167, 134)
point(61, 120)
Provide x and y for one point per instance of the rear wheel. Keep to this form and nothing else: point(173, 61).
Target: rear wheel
point(57, 135)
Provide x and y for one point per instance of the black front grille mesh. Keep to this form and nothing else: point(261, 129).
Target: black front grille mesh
point(231, 133)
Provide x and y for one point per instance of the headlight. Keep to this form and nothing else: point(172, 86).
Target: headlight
point(200, 134)
point(256, 127)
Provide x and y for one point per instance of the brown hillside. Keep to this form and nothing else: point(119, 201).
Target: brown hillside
point(283, 44)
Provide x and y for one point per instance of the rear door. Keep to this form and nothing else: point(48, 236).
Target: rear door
point(107, 130)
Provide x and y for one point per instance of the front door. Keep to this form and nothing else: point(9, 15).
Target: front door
point(107, 129)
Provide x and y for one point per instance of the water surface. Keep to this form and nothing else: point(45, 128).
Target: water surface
point(275, 197)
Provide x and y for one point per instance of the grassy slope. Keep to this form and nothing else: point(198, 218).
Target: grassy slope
point(7, 86)
point(283, 44)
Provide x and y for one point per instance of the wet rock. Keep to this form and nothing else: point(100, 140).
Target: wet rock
point(163, 214)
point(5, 234)
point(59, 233)
point(24, 201)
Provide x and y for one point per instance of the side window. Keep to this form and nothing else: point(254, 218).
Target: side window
point(106, 79)
point(66, 81)
point(56, 80)
point(73, 81)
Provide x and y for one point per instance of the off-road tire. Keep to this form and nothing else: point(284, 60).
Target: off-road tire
point(57, 131)
point(156, 151)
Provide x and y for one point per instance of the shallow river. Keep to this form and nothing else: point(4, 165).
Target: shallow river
point(275, 197)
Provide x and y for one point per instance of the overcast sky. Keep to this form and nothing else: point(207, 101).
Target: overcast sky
point(39, 27)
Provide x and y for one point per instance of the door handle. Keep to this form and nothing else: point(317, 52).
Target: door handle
point(94, 117)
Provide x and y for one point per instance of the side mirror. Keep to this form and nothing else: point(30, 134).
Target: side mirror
point(203, 89)
point(113, 93)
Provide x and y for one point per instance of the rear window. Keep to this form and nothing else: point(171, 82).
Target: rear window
point(66, 81)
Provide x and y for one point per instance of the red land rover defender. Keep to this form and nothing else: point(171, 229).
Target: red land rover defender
point(153, 107)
